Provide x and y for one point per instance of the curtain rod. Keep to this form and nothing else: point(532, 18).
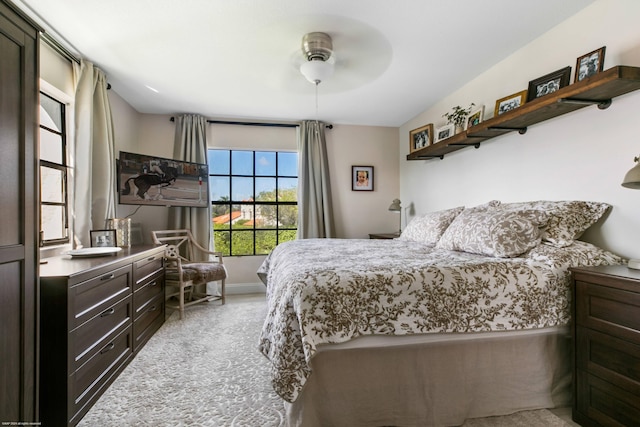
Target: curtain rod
point(226, 122)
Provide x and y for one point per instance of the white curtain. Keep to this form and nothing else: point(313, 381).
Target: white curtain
point(94, 148)
point(190, 145)
point(315, 211)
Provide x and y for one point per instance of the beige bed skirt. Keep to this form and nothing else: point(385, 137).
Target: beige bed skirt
point(437, 383)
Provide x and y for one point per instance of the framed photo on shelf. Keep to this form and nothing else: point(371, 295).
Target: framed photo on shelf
point(362, 178)
point(103, 238)
point(420, 137)
point(475, 117)
point(510, 102)
point(589, 64)
point(444, 132)
point(548, 83)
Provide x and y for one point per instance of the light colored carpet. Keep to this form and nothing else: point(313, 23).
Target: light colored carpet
point(206, 371)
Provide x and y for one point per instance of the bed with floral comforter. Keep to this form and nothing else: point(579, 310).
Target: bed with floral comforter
point(325, 291)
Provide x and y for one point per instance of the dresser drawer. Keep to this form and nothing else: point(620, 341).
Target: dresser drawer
point(605, 403)
point(609, 310)
point(151, 288)
point(149, 321)
point(147, 267)
point(91, 297)
point(98, 331)
point(97, 373)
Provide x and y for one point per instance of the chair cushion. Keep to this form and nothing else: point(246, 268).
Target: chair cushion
point(203, 272)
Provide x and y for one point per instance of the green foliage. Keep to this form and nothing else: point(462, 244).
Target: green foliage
point(459, 115)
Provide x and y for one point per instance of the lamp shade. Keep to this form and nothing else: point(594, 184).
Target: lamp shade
point(395, 205)
point(316, 70)
point(632, 178)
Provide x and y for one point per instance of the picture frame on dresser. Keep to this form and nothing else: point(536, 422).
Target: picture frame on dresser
point(548, 83)
point(103, 238)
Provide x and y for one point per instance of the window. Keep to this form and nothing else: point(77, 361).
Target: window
point(54, 225)
point(254, 199)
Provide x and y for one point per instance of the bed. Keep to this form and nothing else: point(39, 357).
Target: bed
point(465, 315)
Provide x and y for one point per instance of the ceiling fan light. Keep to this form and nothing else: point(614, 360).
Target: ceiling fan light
point(316, 71)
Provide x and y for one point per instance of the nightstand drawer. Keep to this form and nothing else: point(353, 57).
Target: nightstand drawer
point(609, 358)
point(609, 310)
point(605, 403)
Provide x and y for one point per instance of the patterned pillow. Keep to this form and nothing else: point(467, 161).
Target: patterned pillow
point(568, 220)
point(428, 228)
point(494, 232)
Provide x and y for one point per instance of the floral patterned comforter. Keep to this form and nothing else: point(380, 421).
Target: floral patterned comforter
point(322, 291)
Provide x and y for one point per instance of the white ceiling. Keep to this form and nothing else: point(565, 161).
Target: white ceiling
point(235, 59)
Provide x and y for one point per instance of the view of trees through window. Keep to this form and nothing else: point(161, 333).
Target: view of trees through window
point(253, 199)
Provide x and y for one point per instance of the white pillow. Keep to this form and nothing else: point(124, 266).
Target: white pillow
point(428, 228)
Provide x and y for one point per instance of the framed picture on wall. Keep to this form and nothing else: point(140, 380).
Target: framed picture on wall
point(362, 178)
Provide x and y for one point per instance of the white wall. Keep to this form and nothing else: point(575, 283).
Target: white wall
point(582, 155)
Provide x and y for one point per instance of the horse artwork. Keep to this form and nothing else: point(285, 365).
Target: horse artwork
point(145, 181)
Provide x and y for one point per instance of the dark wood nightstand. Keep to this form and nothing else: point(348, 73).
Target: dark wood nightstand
point(606, 331)
point(383, 235)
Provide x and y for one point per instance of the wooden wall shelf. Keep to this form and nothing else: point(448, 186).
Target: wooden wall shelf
point(597, 90)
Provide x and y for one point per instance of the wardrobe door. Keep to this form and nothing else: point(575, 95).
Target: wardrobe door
point(18, 217)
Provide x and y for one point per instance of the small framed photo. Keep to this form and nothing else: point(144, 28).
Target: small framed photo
point(475, 117)
point(510, 102)
point(445, 132)
point(589, 64)
point(421, 137)
point(103, 238)
point(362, 178)
point(549, 83)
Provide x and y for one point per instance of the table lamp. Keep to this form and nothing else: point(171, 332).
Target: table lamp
point(395, 207)
point(632, 180)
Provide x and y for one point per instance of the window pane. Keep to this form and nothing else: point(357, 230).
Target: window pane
point(265, 163)
point(242, 216)
point(51, 185)
point(288, 164)
point(221, 240)
point(265, 241)
point(266, 189)
point(288, 216)
point(286, 235)
point(219, 187)
point(51, 147)
point(219, 161)
point(220, 217)
point(242, 243)
point(242, 163)
point(52, 219)
point(287, 189)
point(266, 216)
point(51, 113)
point(241, 189)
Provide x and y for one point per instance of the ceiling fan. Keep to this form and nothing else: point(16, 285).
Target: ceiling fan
point(317, 48)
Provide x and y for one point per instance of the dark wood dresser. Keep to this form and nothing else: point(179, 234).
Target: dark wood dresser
point(606, 309)
point(96, 314)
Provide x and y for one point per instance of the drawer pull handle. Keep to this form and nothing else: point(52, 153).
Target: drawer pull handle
point(107, 348)
point(153, 308)
point(108, 312)
point(108, 277)
point(154, 283)
point(151, 258)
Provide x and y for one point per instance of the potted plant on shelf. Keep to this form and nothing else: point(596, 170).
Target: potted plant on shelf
point(458, 116)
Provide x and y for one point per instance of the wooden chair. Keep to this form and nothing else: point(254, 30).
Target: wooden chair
point(185, 272)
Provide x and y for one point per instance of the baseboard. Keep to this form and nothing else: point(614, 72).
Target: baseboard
point(244, 288)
